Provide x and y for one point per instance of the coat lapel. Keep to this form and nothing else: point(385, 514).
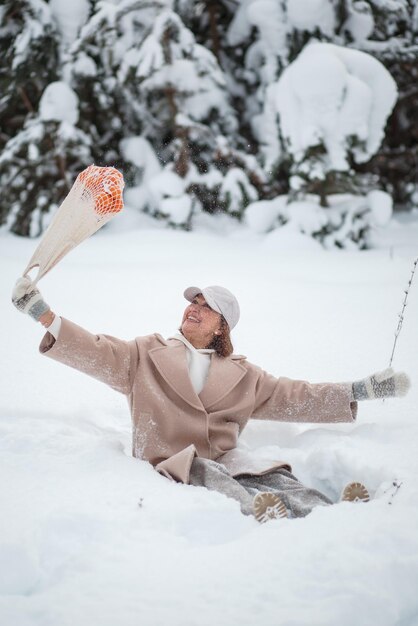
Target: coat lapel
point(171, 362)
point(224, 375)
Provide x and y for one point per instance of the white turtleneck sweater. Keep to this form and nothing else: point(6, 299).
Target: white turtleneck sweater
point(197, 360)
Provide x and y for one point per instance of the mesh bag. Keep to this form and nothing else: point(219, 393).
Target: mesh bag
point(93, 200)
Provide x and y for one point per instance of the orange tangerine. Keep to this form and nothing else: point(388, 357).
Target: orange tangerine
point(106, 185)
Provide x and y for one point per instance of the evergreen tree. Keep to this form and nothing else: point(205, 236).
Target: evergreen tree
point(191, 80)
point(181, 92)
point(28, 62)
point(393, 40)
point(273, 34)
point(106, 113)
point(212, 24)
point(39, 164)
point(93, 67)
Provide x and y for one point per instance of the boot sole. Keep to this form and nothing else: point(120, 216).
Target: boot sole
point(355, 492)
point(267, 506)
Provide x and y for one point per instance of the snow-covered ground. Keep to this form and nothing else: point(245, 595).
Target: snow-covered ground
point(90, 536)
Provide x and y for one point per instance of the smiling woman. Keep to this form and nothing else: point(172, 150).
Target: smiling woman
point(205, 326)
point(200, 323)
point(190, 398)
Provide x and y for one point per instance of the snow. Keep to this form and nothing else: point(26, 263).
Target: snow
point(180, 65)
point(59, 103)
point(291, 238)
point(371, 72)
point(360, 22)
point(70, 17)
point(415, 18)
point(139, 151)
point(165, 184)
point(338, 224)
point(90, 535)
point(33, 22)
point(306, 216)
point(177, 209)
point(234, 186)
point(381, 205)
point(152, 53)
point(312, 15)
point(261, 216)
point(267, 16)
point(329, 95)
point(240, 27)
point(84, 65)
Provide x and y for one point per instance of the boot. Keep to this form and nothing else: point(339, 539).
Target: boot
point(267, 505)
point(355, 492)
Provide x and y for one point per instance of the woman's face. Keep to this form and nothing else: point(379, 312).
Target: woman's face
point(200, 323)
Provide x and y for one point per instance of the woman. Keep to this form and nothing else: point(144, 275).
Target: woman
point(190, 397)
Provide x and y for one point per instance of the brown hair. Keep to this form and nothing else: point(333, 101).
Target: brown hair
point(222, 343)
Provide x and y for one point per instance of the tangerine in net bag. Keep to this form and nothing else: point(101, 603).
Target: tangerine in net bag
point(94, 198)
point(105, 184)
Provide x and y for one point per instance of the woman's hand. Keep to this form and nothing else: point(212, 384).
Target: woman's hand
point(386, 384)
point(28, 299)
point(47, 318)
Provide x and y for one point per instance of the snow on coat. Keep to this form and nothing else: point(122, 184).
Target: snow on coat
point(171, 423)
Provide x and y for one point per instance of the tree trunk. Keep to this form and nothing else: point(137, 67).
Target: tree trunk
point(181, 164)
point(213, 26)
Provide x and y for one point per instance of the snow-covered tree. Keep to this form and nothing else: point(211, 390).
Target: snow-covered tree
point(40, 163)
point(107, 113)
point(28, 60)
point(181, 91)
point(93, 66)
point(211, 23)
point(327, 110)
point(346, 223)
point(392, 39)
point(69, 18)
point(271, 35)
point(208, 20)
point(181, 94)
point(209, 91)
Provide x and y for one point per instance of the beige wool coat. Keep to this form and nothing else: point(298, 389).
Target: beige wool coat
point(171, 423)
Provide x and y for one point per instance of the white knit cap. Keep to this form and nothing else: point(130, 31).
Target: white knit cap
point(219, 299)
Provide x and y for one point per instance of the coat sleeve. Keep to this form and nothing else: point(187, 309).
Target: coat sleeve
point(108, 359)
point(289, 400)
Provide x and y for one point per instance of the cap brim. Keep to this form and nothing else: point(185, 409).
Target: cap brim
point(191, 292)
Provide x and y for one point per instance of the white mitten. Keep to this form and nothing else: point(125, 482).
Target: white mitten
point(28, 299)
point(386, 384)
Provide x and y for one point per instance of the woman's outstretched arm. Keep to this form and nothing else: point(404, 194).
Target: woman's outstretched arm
point(109, 359)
